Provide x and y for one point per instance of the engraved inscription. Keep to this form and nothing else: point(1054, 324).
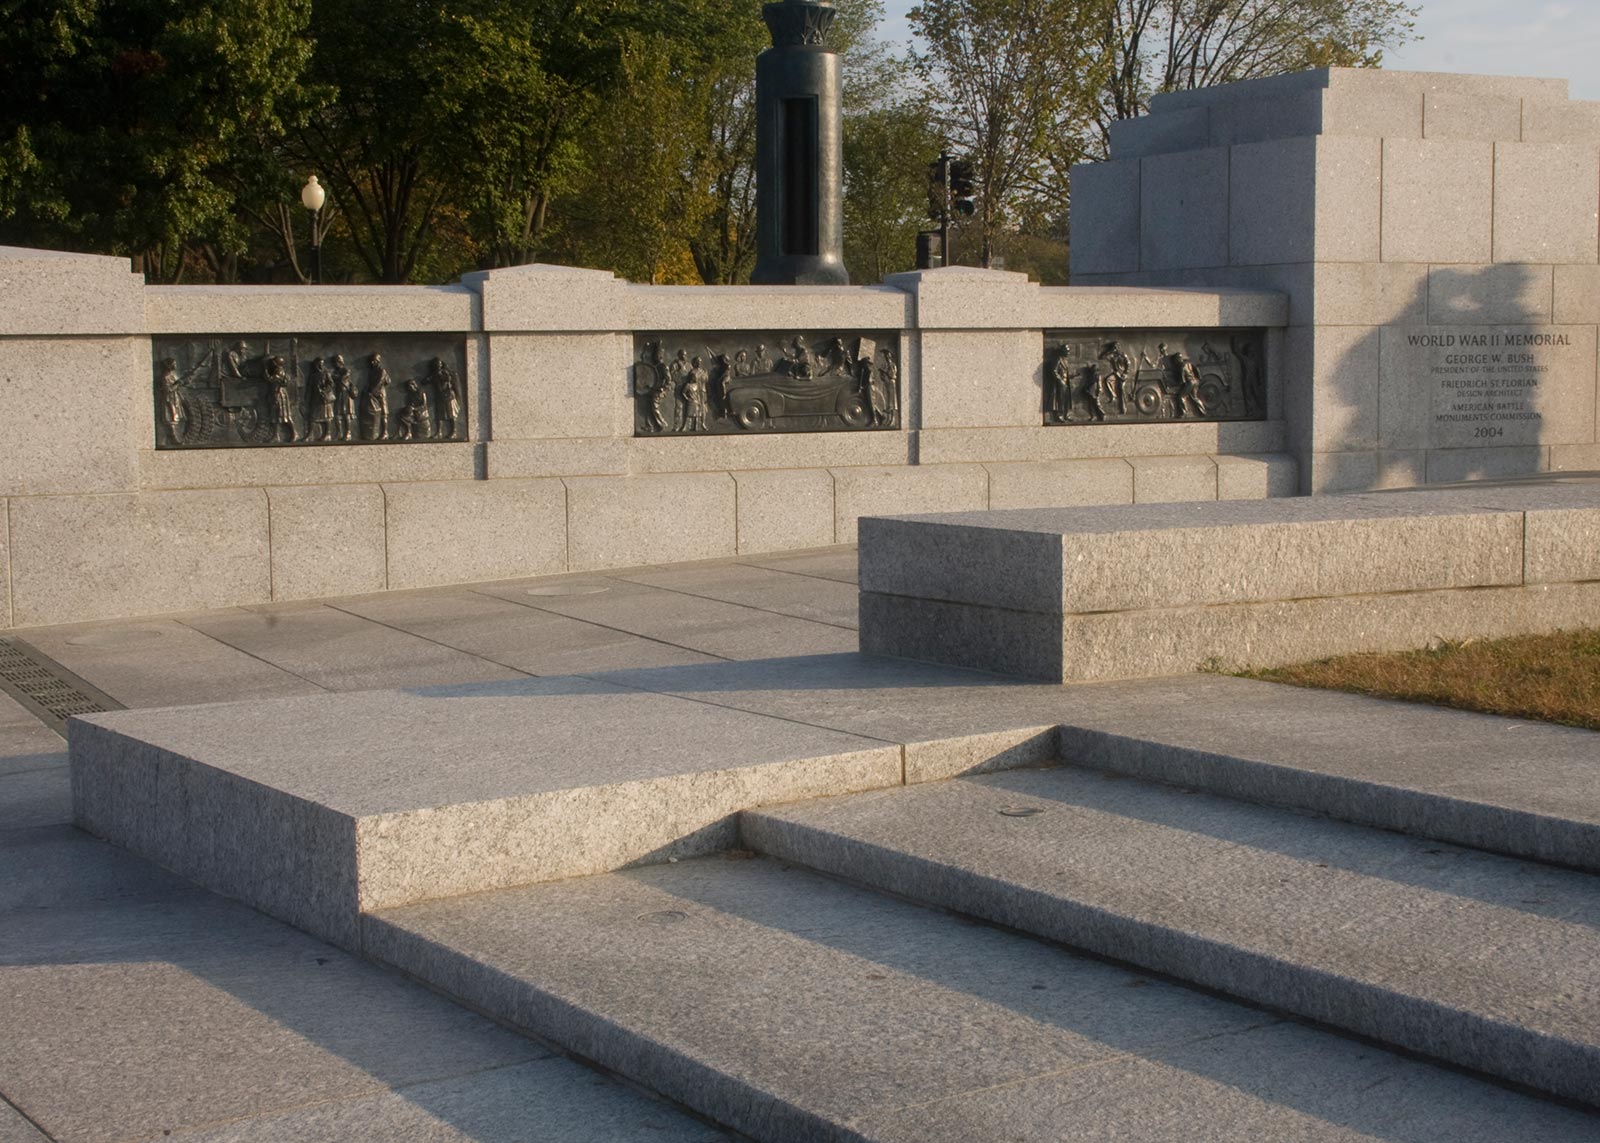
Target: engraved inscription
point(1489, 382)
point(337, 389)
point(1143, 376)
point(707, 384)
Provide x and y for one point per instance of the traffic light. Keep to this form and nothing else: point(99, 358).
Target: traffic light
point(962, 185)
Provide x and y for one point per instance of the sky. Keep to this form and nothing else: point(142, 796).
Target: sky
point(1555, 39)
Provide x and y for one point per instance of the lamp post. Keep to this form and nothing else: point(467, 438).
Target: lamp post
point(312, 196)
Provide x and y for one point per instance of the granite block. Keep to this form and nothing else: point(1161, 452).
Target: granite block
point(1090, 442)
point(1183, 129)
point(685, 620)
point(768, 307)
point(1345, 370)
point(1105, 211)
point(1369, 293)
point(337, 650)
point(502, 630)
point(1426, 771)
point(731, 972)
point(1577, 295)
point(256, 467)
point(30, 799)
point(1339, 923)
point(1459, 115)
point(1547, 202)
point(1184, 210)
point(1050, 483)
point(802, 597)
point(561, 385)
point(459, 531)
point(973, 379)
point(549, 299)
point(961, 297)
point(1166, 479)
point(1575, 121)
point(1381, 111)
point(1135, 307)
point(338, 817)
point(1349, 181)
point(1257, 477)
point(1273, 198)
point(73, 412)
point(5, 563)
point(568, 1101)
point(1447, 465)
point(859, 492)
point(780, 510)
point(1562, 546)
point(302, 309)
point(579, 456)
point(1401, 468)
point(327, 541)
point(767, 451)
point(137, 554)
point(136, 1004)
point(1052, 561)
point(625, 521)
point(55, 294)
point(1341, 471)
point(163, 662)
point(1437, 200)
point(1575, 458)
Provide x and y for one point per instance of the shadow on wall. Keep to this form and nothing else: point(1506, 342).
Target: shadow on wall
point(1472, 382)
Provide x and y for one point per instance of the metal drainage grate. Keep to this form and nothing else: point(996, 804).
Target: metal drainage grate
point(50, 692)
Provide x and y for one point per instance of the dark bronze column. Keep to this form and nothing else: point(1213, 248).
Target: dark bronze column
point(799, 150)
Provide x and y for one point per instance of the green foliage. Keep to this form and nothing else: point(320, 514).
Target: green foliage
point(140, 126)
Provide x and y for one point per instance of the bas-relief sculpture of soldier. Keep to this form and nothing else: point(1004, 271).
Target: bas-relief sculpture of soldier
point(416, 422)
point(280, 403)
point(344, 397)
point(172, 411)
point(375, 404)
point(695, 396)
point(445, 385)
point(322, 398)
point(885, 392)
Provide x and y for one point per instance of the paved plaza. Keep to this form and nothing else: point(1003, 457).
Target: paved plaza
point(138, 1006)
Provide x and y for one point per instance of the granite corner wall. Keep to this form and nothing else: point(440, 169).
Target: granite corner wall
point(548, 477)
point(1422, 225)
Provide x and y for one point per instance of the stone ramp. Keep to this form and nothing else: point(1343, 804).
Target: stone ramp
point(1510, 786)
point(793, 1007)
point(1479, 960)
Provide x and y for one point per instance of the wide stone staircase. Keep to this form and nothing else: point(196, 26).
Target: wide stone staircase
point(1301, 941)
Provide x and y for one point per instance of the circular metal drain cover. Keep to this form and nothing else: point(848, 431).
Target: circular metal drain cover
point(569, 589)
point(1021, 811)
point(664, 917)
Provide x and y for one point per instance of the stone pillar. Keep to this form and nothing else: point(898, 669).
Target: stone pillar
point(799, 150)
point(1437, 237)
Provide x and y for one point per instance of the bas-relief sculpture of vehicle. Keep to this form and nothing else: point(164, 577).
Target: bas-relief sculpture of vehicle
point(816, 384)
point(1155, 376)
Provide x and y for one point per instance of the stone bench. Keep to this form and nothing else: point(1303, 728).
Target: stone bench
point(1072, 594)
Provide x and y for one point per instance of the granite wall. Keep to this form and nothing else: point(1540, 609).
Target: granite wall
point(546, 474)
point(1436, 236)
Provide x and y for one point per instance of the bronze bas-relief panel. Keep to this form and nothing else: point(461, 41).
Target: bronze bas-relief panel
point(711, 384)
point(278, 391)
point(1152, 376)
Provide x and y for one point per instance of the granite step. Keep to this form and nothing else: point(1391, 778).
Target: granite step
point(1479, 960)
point(793, 1007)
point(1505, 785)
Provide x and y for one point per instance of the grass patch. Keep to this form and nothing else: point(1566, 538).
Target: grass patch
point(1551, 678)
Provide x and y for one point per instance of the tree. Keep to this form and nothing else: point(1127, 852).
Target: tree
point(1001, 78)
point(143, 127)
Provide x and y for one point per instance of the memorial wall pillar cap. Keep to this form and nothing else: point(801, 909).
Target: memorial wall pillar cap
point(52, 293)
point(964, 297)
point(544, 298)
